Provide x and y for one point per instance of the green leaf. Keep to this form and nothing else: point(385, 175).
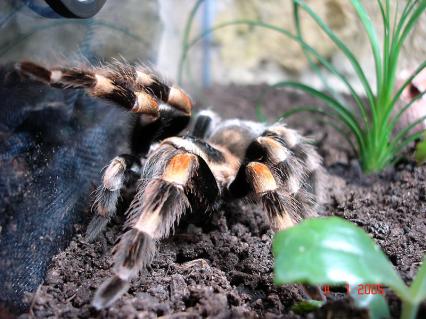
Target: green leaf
point(330, 250)
point(306, 306)
point(418, 287)
point(376, 304)
point(333, 123)
point(418, 294)
point(407, 82)
point(404, 109)
point(345, 50)
point(399, 146)
point(185, 40)
point(312, 64)
point(372, 126)
point(420, 153)
point(372, 36)
point(305, 46)
point(416, 14)
point(346, 117)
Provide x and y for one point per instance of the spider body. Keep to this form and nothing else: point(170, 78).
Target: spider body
point(218, 160)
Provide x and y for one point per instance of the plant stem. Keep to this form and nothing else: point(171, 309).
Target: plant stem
point(409, 310)
point(375, 157)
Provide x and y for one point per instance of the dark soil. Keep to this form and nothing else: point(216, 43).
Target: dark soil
point(220, 266)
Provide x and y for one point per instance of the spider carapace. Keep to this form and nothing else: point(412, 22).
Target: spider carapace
point(218, 160)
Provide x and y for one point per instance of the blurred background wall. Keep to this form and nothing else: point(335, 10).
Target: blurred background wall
point(247, 55)
point(151, 31)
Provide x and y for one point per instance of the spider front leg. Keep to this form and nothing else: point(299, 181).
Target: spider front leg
point(134, 88)
point(123, 170)
point(174, 181)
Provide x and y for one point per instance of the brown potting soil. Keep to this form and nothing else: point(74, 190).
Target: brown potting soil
point(220, 265)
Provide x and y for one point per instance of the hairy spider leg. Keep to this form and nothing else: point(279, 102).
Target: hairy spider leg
point(121, 170)
point(168, 191)
point(133, 88)
point(281, 169)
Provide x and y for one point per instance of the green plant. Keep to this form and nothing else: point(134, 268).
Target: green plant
point(370, 127)
point(420, 152)
point(330, 250)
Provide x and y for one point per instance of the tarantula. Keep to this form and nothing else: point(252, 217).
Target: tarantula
point(219, 159)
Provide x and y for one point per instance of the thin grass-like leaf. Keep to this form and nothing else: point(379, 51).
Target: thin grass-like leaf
point(316, 110)
point(185, 40)
point(404, 109)
point(260, 116)
point(412, 14)
point(386, 29)
point(407, 82)
point(412, 21)
point(342, 112)
point(312, 64)
point(409, 6)
point(372, 36)
point(391, 36)
point(402, 135)
point(385, 17)
point(272, 27)
point(339, 43)
point(407, 141)
point(305, 108)
point(372, 131)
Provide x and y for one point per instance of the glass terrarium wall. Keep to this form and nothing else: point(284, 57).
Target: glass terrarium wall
point(30, 30)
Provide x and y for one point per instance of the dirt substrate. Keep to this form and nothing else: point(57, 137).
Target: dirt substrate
point(220, 266)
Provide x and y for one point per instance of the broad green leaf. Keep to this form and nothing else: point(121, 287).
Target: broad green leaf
point(376, 304)
point(330, 250)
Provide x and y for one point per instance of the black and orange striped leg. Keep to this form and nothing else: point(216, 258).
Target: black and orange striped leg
point(281, 168)
point(175, 187)
point(284, 209)
point(122, 170)
point(257, 180)
point(134, 88)
point(301, 168)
